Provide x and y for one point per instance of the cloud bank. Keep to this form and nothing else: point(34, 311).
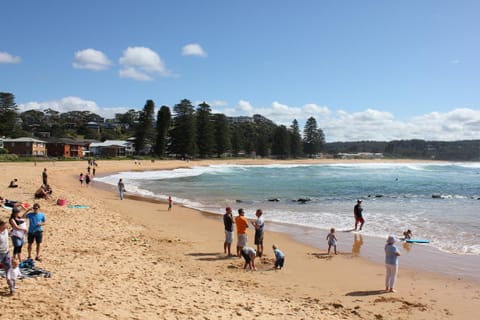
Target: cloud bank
point(141, 63)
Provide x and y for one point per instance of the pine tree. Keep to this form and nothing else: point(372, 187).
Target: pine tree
point(164, 119)
point(183, 134)
point(145, 133)
point(222, 134)
point(295, 140)
point(9, 117)
point(205, 131)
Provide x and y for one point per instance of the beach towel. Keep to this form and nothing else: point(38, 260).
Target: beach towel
point(78, 206)
point(30, 272)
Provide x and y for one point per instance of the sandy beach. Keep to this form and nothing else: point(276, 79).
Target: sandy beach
point(134, 259)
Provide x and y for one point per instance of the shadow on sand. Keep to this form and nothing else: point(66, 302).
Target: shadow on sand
point(365, 293)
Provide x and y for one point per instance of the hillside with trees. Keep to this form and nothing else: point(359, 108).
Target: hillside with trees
point(186, 131)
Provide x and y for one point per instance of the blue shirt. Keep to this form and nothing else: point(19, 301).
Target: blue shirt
point(391, 254)
point(34, 219)
point(278, 254)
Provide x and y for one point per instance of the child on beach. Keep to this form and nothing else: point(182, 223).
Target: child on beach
point(12, 275)
point(407, 234)
point(170, 203)
point(279, 257)
point(249, 254)
point(332, 241)
point(81, 179)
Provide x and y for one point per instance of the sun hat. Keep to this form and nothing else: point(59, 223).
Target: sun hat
point(391, 240)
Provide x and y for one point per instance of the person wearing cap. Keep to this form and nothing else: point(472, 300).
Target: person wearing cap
point(357, 212)
point(35, 230)
point(228, 223)
point(391, 263)
point(242, 236)
point(19, 229)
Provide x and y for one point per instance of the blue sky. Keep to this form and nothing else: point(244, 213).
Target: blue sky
point(366, 70)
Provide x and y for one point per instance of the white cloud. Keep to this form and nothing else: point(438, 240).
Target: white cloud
point(193, 49)
point(67, 104)
point(91, 59)
point(141, 63)
point(7, 58)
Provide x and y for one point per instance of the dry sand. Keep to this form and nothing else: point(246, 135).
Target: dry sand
point(134, 259)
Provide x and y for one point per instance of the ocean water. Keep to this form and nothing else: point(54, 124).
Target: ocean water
point(396, 196)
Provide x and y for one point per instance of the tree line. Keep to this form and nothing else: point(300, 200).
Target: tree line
point(187, 132)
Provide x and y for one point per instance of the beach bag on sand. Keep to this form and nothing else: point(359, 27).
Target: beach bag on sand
point(61, 202)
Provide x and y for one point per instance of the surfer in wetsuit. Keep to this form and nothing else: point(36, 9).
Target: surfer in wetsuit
point(357, 212)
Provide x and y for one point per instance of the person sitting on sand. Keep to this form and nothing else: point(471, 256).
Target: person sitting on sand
point(249, 254)
point(13, 183)
point(279, 257)
point(42, 193)
point(407, 234)
point(9, 204)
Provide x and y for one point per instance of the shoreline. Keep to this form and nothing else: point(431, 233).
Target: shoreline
point(451, 265)
point(135, 259)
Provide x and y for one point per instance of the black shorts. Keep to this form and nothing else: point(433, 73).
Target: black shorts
point(258, 238)
point(246, 257)
point(37, 236)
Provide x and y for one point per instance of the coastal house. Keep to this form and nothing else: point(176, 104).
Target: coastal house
point(66, 148)
point(112, 148)
point(26, 147)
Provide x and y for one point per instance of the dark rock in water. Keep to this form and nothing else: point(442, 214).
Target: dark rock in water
point(274, 199)
point(436, 196)
point(238, 201)
point(378, 195)
point(303, 200)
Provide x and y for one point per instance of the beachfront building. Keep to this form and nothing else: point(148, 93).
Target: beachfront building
point(26, 147)
point(66, 148)
point(112, 148)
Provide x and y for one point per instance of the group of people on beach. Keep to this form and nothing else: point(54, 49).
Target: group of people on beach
point(19, 230)
point(243, 250)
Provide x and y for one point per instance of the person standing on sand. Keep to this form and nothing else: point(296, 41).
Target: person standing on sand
point(19, 229)
point(391, 263)
point(228, 224)
point(332, 241)
point(44, 177)
point(35, 230)
point(170, 203)
point(242, 225)
point(81, 179)
point(121, 189)
point(5, 258)
point(259, 223)
point(357, 212)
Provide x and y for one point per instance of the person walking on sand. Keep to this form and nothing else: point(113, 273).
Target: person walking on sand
point(332, 241)
point(5, 258)
point(170, 203)
point(357, 212)
point(121, 188)
point(81, 179)
point(44, 177)
point(242, 225)
point(228, 224)
point(259, 223)
point(391, 263)
point(279, 257)
point(35, 230)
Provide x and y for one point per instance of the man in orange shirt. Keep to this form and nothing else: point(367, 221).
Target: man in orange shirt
point(242, 225)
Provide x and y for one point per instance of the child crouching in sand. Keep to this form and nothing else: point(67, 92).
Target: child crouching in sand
point(332, 241)
point(279, 257)
point(249, 254)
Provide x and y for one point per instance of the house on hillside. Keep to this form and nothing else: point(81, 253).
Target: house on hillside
point(112, 148)
point(26, 147)
point(66, 148)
